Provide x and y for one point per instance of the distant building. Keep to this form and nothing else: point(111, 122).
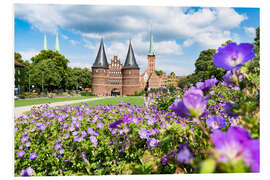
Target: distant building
point(115, 78)
point(156, 81)
point(118, 79)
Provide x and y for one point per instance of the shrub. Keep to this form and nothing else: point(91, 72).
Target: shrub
point(86, 93)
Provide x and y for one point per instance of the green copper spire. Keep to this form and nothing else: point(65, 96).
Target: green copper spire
point(151, 50)
point(45, 43)
point(57, 48)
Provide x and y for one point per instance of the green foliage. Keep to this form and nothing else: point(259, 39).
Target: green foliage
point(78, 77)
point(21, 74)
point(208, 166)
point(86, 93)
point(50, 69)
point(159, 72)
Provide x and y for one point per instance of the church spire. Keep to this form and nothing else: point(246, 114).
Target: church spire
point(101, 59)
point(45, 43)
point(130, 60)
point(151, 50)
point(57, 48)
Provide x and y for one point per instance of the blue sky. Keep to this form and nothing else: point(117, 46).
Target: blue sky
point(180, 33)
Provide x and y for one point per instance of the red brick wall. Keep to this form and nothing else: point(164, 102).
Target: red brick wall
point(130, 81)
point(99, 80)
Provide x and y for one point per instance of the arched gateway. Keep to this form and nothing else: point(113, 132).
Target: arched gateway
point(115, 92)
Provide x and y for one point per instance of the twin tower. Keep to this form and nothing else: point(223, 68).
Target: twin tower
point(115, 78)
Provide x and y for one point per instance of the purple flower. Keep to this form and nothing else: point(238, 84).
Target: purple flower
point(61, 151)
point(58, 146)
point(144, 133)
point(164, 160)
point(151, 142)
point(233, 56)
point(20, 154)
point(27, 172)
point(77, 138)
point(179, 108)
point(193, 103)
point(116, 124)
point(42, 127)
point(93, 140)
point(24, 139)
point(77, 125)
point(71, 128)
point(84, 157)
point(100, 125)
point(127, 118)
point(183, 154)
point(230, 78)
point(27, 144)
point(83, 133)
point(207, 84)
point(216, 122)
point(33, 156)
point(236, 143)
point(92, 132)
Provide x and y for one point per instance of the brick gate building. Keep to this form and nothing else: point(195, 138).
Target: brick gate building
point(114, 78)
point(117, 79)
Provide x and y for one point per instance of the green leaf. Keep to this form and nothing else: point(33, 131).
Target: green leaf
point(208, 166)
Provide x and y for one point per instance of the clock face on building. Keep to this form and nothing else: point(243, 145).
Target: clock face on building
point(145, 77)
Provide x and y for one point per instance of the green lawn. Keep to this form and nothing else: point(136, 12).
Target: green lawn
point(130, 99)
point(28, 102)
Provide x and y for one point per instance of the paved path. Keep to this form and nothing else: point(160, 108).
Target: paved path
point(21, 110)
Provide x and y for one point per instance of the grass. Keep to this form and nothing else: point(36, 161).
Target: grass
point(115, 100)
point(28, 102)
point(129, 99)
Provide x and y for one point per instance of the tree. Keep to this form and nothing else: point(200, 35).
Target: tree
point(254, 65)
point(78, 77)
point(204, 68)
point(159, 72)
point(18, 57)
point(50, 69)
point(21, 74)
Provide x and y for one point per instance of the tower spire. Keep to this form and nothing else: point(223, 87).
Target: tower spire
point(130, 59)
point(57, 48)
point(101, 59)
point(45, 43)
point(151, 50)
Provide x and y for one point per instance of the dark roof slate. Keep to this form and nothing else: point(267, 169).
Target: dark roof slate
point(130, 59)
point(101, 59)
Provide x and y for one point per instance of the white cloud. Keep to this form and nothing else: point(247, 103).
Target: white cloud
point(27, 54)
point(88, 44)
point(125, 22)
point(64, 36)
point(250, 31)
point(178, 70)
point(80, 65)
point(73, 42)
point(188, 42)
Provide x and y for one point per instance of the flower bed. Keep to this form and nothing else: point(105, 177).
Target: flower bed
point(210, 127)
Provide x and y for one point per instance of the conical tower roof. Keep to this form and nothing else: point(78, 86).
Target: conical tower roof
point(45, 43)
point(151, 48)
point(101, 59)
point(130, 60)
point(57, 48)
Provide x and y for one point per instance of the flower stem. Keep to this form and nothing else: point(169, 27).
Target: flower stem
point(202, 127)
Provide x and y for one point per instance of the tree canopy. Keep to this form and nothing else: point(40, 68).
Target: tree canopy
point(49, 70)
point(204, 67)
